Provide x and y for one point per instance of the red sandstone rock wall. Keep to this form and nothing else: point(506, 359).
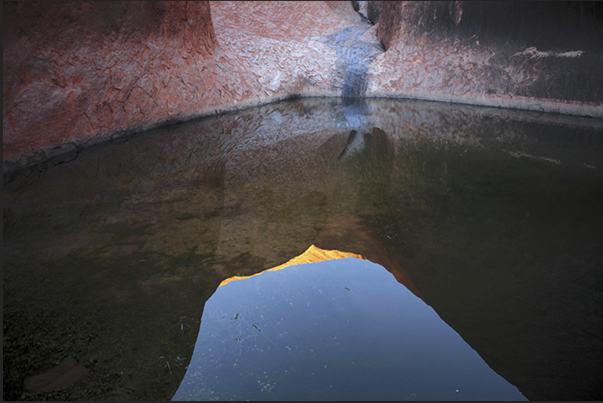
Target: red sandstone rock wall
point(73, 71)
point(542, 56)
point(76, 73)
point(279, 47)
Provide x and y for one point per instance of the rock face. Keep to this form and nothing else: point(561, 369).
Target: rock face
point(77, 73)
point(539, 56)
point(83, 72)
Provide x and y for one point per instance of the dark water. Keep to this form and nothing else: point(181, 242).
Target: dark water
point(490, 222)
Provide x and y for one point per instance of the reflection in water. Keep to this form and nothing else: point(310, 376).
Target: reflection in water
point(311, 255)
point(334, 330)
point(493, 218)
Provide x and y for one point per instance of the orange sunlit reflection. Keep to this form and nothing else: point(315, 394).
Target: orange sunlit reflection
point(311, 255)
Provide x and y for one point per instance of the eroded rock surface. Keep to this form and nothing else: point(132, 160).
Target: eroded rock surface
point(79, 73)
point(541, 57)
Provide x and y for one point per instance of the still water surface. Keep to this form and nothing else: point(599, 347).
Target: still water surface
point(334, 330)
point(478, 234)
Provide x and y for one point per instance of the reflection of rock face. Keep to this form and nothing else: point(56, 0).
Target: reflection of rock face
point(289, 146)
point(489, 213)
point(311, 255)
point(478, 209)
point(160, 220)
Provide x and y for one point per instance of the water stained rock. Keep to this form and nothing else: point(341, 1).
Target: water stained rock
point(356, 48)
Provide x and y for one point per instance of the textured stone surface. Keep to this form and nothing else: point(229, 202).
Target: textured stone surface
point(78, 73)
point(542, 56)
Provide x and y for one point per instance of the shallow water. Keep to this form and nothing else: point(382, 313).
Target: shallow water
point(491, 219)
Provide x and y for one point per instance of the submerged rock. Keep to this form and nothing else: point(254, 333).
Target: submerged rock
point(68, 372)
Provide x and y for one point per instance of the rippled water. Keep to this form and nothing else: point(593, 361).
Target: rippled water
point(490, 221)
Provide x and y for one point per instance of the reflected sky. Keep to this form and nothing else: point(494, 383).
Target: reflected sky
point(341, 329)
